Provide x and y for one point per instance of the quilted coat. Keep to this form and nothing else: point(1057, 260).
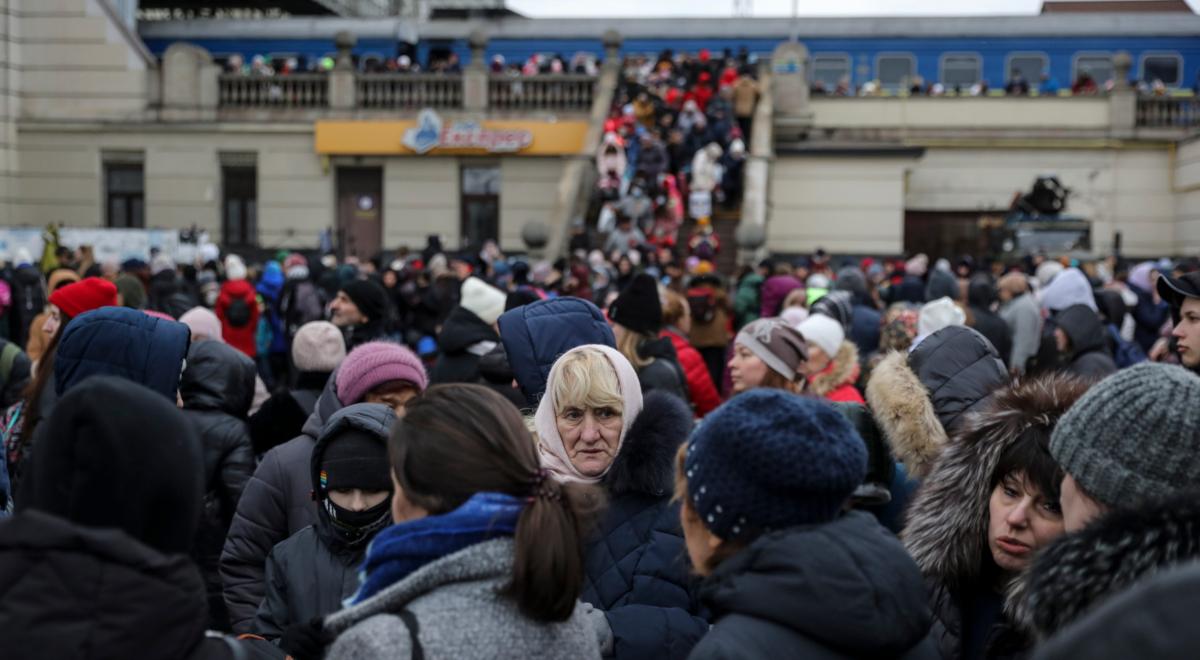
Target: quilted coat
point(701, 391)
point(534, 335)
point(636, 564)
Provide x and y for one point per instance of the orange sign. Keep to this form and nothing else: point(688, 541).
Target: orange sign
point(433, 136)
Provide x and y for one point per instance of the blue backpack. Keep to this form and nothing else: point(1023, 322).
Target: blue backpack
point(1125, 353)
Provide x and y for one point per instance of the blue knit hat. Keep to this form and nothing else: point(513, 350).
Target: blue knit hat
point(770, 459)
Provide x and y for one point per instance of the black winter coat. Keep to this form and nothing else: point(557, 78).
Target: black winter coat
point(217, 388)
point(844, 589)
point(464, 339)
point(664, 373)
point(636, 565)
point(1089, 356)
point(277, 503)
point(282, 417)
point(994, 329)
point(497, 374)
point(69, 591)
point(310, 573)
point(28, 300)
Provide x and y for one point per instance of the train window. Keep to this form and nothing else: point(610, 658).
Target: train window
point(1099, 67)
point(895, 71)
point(1165, 67)
point(960, 70)
point(1031, 66)
point(829, 70)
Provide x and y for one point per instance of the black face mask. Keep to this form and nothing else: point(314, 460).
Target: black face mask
point(356, 527)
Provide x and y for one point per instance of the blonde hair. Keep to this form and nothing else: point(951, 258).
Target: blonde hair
point(628, 345)
point(585, 379)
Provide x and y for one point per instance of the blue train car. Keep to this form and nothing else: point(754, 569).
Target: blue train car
point(893, 51)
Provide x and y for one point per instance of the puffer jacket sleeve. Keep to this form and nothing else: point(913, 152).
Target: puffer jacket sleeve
point(273, 616)
point(661, 618)
point(259, 522)
point(236, 466)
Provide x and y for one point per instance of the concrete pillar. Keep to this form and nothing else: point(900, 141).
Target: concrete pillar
point(342, 90)
point(475, 76)
point(188, 85)
point(612, 48)
point(1122, 101)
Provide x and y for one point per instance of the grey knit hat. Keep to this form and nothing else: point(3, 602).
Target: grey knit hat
point(1134, 435)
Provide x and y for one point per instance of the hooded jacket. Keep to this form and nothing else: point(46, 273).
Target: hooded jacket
point(921, 398)
point(1088, 356)
point(636, 564)
point(217, 388)
point(464, 339)
point(89, 570)
point(309, 574)
point(1080, 572)
point(118, 341)
point(535, 335)
point(836, 381)
point(664, 373)
point(276, 503)
point(241, 337)
point(790, 592)
point(981, 295)
point(866, 322)
point(497, 374)
point(946, 532)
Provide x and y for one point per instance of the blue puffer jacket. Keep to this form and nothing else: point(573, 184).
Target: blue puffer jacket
point(637, 569)
point(535, 335)
point(123, 342)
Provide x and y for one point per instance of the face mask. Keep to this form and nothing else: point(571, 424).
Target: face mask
point(355, 527)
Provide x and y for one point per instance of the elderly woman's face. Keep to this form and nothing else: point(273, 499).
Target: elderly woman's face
point(590, 436)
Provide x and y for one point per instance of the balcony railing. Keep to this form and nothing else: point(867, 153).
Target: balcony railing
point(408, 91)
point(292, 91)
point(552, 92)
point(1168, 112)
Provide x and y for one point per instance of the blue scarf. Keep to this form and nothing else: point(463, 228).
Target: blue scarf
point(401, 549)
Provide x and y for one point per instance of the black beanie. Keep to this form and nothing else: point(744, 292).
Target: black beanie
point(369, 297)
point(638, 307)
point(520, 298)
point(98, 463)
point(355, 459)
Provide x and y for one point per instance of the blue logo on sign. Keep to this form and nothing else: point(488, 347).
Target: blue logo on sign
point(426, 135)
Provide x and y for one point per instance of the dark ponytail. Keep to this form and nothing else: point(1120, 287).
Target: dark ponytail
point(458, 440)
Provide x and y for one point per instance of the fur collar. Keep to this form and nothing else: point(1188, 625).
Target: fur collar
point(843, 369)
point(646, 464)
point(947, 522)
point(905, 414)
point(1079, 571)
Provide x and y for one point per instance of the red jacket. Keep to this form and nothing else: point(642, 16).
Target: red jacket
point(241, 338)
point(836, 381)
point(700, 386)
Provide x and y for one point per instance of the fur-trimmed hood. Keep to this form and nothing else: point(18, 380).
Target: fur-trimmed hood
point(920, 398)
point(646, 464)
point(843, 369)
point(948, 519)
point(1080, 571)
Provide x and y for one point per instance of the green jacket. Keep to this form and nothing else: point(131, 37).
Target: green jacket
point(747, 300)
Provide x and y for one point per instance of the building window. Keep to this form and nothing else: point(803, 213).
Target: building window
point(895, 71)
point(1098, 67)
point(1030, 66)
point(480, 204)
point(960, 70)
point(1164, 67)
point(239, 205)
point(830, 70)
point(124, 188)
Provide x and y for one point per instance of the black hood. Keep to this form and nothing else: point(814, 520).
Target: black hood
point(464, 329)
point(115, 454)
point(1112, 306)
point(374, 419)
point(659, 348)
point(69, 591)
point(961, 369)
point(942, 285)
point(846, 584)
point(853, 281)
point(1082, 326)
point(218, 377)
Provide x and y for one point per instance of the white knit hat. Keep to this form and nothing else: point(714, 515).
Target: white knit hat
point(235, 268)
point(482, 299)
point(318, 346)
point(823, 332)
point(940, 313)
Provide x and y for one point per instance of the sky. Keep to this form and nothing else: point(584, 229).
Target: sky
point(627, 8)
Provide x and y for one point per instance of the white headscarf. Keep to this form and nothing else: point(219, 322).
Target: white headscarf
point(551, 450)
point(1070, 287)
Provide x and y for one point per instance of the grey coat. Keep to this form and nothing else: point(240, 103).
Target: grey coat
point(459, 615)
point(1024, 319)
point(276, 503)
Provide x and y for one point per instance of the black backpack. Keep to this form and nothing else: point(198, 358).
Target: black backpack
point(238, 313)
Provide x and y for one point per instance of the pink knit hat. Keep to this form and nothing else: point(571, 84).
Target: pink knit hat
point(375, 363)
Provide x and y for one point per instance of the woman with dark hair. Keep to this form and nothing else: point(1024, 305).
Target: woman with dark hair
point(22, 418)
point(486, 555)
point(991, 501)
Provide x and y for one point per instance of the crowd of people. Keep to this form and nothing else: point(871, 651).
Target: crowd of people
point(461, 454)
point(442, 62)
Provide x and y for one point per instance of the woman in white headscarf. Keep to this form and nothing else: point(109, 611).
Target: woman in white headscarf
point(594, 426)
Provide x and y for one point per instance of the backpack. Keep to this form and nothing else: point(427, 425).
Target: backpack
point(1125, 353)
point(301, 304)
point(702, 303)
point(238, 313)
